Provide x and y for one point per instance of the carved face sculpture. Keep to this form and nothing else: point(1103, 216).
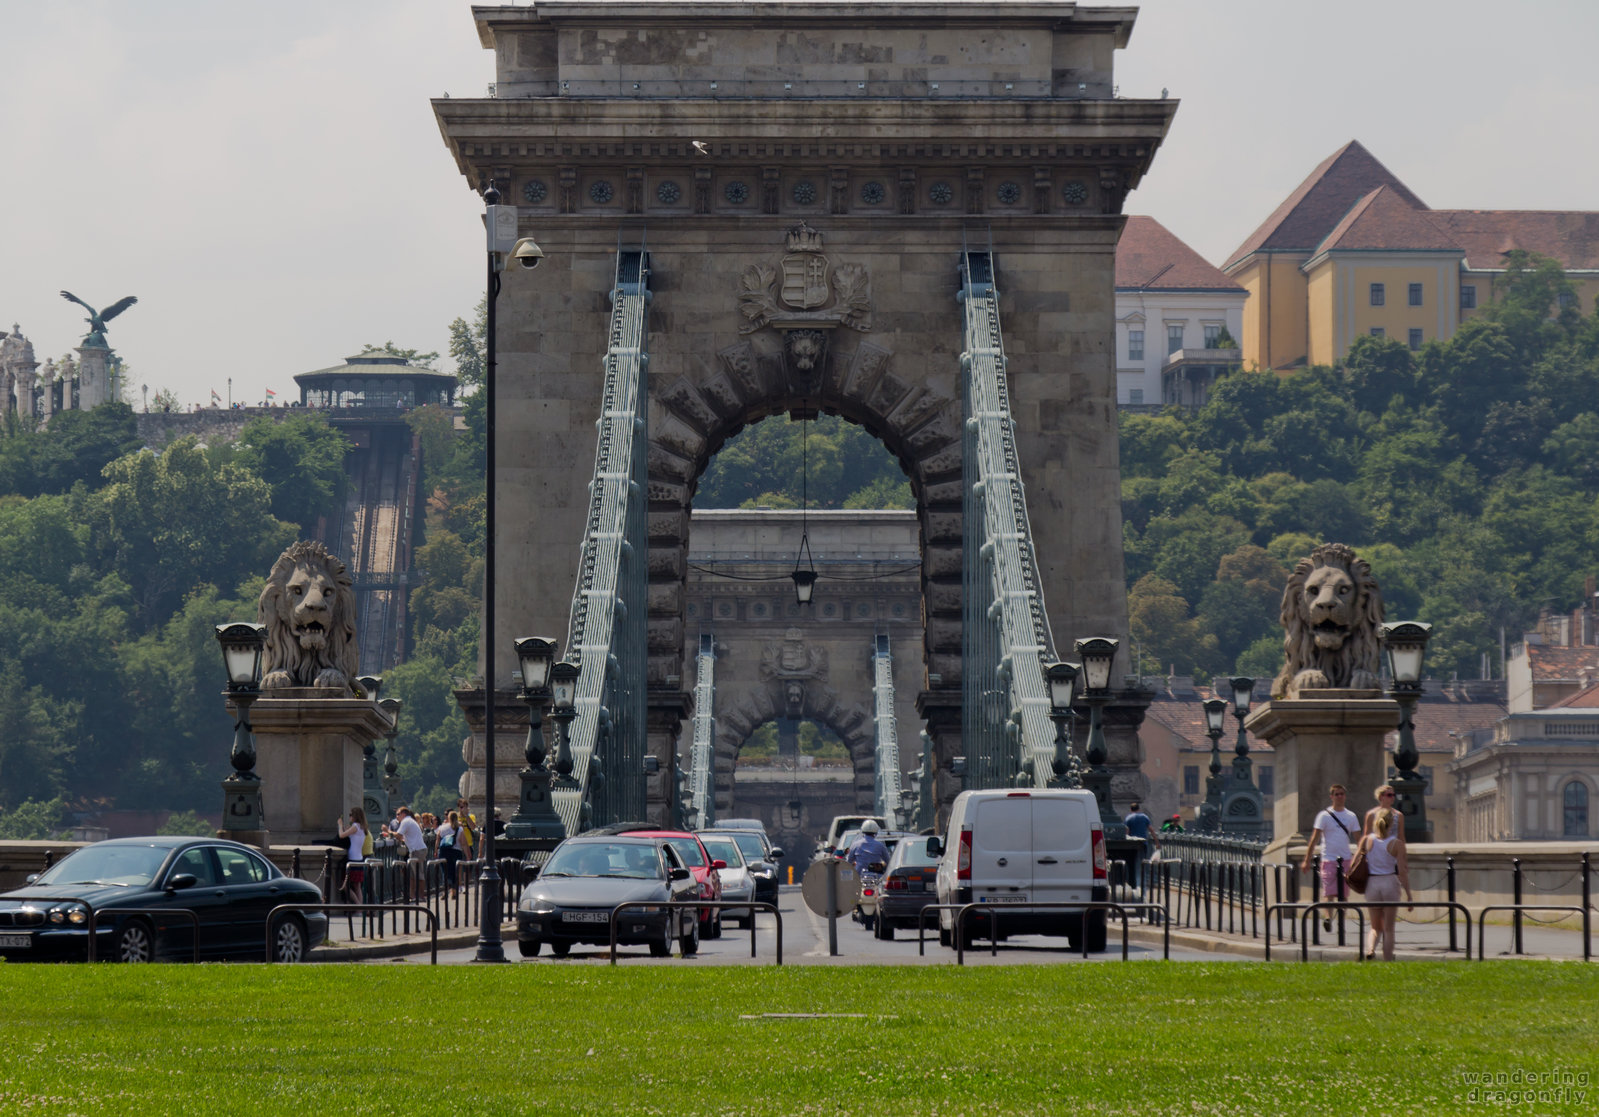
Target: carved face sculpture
point(1329, 606)
point(309, 595)
point(794, 694)
point(805, 346)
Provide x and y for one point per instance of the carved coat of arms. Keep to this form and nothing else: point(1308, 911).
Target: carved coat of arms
point(814, 291)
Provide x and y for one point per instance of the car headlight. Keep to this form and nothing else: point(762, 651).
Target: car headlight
point(77, 915)
point(538, 905)
point(646, 909)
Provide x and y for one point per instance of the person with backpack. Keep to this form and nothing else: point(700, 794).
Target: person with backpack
point(450, 842)
point(1336, 829)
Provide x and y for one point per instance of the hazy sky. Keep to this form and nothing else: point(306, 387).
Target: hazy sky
point(269, 180)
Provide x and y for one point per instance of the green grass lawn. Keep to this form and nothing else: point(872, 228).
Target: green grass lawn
point(1329, 1040)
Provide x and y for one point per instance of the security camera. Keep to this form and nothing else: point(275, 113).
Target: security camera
point(527, 252)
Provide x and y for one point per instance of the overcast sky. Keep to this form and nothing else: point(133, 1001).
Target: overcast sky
point(269, 179)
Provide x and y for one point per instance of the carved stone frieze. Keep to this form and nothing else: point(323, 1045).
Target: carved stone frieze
point(803, 290)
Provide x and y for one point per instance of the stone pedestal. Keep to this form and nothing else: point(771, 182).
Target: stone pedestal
point(510, 736)
point(309, 743)
point(1321, 738)
point(94, 377)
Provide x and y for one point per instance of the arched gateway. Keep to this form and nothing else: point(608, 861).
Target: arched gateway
point(805, 182)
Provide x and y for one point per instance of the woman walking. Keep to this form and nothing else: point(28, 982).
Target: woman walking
point(1384, 848)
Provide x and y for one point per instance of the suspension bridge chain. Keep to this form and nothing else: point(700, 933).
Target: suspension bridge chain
point(1005, 725)
point(702, 755)
point(606, 632)
point(889, 802)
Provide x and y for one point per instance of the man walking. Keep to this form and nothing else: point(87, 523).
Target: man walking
point(1138, 826)
point(1333, 831)
point(416, 849)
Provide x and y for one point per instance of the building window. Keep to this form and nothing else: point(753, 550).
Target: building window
point(1415, 294)
point(1575, 802)
point(1135, 345)
point(1415, 339)
point(1425, 772)
point(1268, 780)
point(1135, 395)
point(1379, 295)
point(1565, 299)
point(1378, 331)
point(1174, 338)
point(1468, 296)
point(1212, 334)
point(1191, 779)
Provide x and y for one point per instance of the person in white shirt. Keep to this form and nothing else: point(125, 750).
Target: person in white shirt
point(405, 825)
point(1335, 831)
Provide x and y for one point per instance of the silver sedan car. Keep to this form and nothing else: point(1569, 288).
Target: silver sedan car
point(737, 883)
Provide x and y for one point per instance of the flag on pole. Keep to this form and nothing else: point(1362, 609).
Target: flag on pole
point(214, 397)
point(271, 394)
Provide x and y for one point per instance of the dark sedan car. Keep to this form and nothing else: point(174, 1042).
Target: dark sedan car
point(763, 858)
point(587, 876)
point(909, 885)
point(229, 887)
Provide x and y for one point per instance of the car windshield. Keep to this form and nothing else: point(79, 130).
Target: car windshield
point(132, 866)
point(750, 846)
point(726, 849)
point(689, 850)
point(604, 859)
point(912, 854)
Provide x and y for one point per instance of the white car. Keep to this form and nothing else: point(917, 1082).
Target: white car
point(737, 883)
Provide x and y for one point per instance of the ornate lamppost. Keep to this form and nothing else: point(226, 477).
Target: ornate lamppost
point(1406, 645)
point(1098, 654)
point(1244, 811)
point(1215, 722)
point(535, 817)
point(242, 645)
point(391, 759)
point(373, 801)
point(1061, 679)
point(563, 689)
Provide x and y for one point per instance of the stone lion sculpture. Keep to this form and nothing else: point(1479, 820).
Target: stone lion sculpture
point(308, 608)
point(1331, 612)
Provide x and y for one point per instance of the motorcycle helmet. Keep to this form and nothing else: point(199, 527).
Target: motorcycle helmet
point(868, 827)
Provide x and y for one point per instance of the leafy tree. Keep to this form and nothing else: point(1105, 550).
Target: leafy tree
point(187, 823)
point(302, 458)
point(1159, 622)
point(468, 345)
point(412, 356)
point(33, 821)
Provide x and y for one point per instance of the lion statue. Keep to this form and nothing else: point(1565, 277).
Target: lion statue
point(1330, 614)
point(308, 608)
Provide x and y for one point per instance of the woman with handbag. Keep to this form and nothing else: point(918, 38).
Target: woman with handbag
point(1384, 852)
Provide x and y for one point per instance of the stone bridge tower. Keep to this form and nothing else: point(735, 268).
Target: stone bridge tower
point(804, 179)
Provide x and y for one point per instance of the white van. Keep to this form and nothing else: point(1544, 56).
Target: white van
point(1039, 846)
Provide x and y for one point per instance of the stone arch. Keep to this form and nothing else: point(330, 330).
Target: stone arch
point(818, 702)
point(915, 413)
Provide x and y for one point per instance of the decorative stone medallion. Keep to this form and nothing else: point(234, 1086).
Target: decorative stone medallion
point(873, 193)
point(1009, 193)
point(667, 193)
point(941, 193)
point(601, 192)
point(1075, 193)
point(534, 191)
point(804, 193)
point(736, 192)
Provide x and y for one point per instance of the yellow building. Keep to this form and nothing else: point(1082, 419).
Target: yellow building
point(1352, 252)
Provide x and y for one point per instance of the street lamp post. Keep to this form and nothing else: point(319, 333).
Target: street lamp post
point(1061, 678)
point(373, 800)
point(1406, 645)
point(1098, 654)
point(391, 759)
point(535, 817)
point(242, 645)
point(563, 688)
point(1245, 810)
point(1215, 722)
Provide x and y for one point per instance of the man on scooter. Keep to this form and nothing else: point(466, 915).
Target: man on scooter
point(868, 851)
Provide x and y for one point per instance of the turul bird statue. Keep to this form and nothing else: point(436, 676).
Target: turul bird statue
point(98, 318)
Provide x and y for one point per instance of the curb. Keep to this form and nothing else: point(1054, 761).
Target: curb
point(363, 949)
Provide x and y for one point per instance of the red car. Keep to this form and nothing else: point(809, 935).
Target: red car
point(704, 868)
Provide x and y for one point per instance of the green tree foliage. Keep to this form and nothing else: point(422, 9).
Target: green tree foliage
point(35, 821)
point(74, 449)
point(302, 458)
point(468, 345)
point(1463, 473)
point(841, 465)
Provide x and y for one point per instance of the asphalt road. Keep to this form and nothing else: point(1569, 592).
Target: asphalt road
point(805, 942)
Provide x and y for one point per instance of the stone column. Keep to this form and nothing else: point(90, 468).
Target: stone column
point(669, 707)
point(1321, 738)
point(94, 373)
point(309, 743)
point(510, 733)
point(1124, 752)
point(940, 708)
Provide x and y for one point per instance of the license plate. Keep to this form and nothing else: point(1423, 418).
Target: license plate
point(587, 917)
point(16, 942)
point(1011, 898)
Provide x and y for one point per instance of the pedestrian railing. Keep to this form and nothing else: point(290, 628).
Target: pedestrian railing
point(1482, 926)
point(365, 909)
point(674, 906)
point(94, 923)
point(993, 912)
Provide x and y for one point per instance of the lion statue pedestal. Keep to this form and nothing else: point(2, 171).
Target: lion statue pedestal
point(1318, 739)
point(308, 743)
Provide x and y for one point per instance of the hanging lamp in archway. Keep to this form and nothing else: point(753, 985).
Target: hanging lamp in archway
point(804, 574)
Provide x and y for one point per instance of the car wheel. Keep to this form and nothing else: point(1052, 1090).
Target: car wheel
point(135, 942)
point(689, 944)
point(1096, 932)
point(662, 948)
point(529, 948)
point(870, 921)
point(885, 930)
point(288, 940)
point(560, 949)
